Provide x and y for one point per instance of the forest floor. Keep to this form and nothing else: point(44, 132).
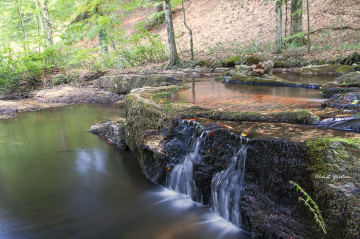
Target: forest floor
point(223, 28)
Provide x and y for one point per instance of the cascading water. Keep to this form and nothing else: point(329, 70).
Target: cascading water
point(181, 178)
point(226, 187)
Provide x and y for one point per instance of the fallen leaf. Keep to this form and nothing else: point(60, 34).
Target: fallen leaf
point(243, 134)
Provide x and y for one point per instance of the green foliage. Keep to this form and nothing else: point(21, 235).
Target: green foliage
point(310, 203)
point(143, 47)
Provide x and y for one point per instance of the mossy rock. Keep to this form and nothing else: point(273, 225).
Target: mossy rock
point(202, 63)
point(279, 64)
point(231, 61)
point(252, 60)
point(351, 79)
point(345, 69)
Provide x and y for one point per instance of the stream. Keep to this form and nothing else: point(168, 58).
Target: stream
point(59, 181)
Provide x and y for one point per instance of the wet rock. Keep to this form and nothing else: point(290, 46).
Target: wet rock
point(349, 80)
point(348, 100)
point(325, 70)
point(114, 131)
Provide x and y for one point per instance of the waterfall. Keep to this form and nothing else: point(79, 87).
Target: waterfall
point(181, 178)
point(226, 187)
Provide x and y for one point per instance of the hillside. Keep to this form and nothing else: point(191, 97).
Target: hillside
point(221, 27)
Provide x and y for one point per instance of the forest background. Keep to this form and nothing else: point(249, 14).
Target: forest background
point(50, 42)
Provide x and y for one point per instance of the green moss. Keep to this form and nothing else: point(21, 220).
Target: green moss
point(252, 80)
point(231, 61)
point(202, 63)
point(251, 60)
point(316, 149)
point(279, 64)
point(345, 69)
point(299, 116)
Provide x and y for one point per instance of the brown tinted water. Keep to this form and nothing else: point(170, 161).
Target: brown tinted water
point(239, 97)
point(59, 181)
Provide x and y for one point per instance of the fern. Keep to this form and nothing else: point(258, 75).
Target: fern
point(310, 203)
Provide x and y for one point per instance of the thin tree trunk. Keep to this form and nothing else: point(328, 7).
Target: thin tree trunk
point(48, 29)
point(23, 28)
point(190, 33)
point(278, 10)
point(173, 55)
point(296, 25)
point(308, 18)
point(286, 20)
point(38, 29)
point(40, 17)
point(102, 34)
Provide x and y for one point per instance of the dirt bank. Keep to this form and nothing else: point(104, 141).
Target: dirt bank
point(56, 97)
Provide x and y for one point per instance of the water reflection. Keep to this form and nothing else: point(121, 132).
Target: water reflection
point(310, 79)
point(237, 97)
point(88, 161)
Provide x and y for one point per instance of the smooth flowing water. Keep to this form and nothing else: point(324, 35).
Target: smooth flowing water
point(238, 97)
point(59, 181)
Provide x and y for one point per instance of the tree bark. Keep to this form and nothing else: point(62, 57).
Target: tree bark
point(308, 18)
point(278, 10)
point(48, 29)
point(190, 34)
point(296, 26)
point(40, 17)
point(173, 55)
point(23, 28)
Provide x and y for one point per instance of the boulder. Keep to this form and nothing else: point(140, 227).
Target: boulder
point(231, 61)
point(263, 67)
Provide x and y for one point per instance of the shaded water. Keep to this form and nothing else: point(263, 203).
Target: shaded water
point(239, 97)
point(59, 181)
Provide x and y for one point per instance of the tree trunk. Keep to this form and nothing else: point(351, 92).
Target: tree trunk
point(278, 10)
point(296, 26)
point(190, 34)
point(23, 29)
point(173, 55)
point(40, 17)
point(48, 29)
point(308, 18)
